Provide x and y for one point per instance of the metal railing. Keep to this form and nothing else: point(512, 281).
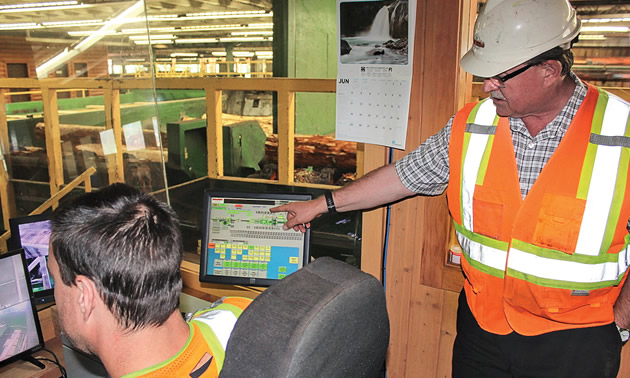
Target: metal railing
point(285, 89)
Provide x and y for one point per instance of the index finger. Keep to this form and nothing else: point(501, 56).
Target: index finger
point(279, 209)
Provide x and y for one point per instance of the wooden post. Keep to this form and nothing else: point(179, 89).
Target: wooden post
point(373, 226)
point(112, 121)
point(7, 196)
point(214, 133)
point(286, 131)
point(53, 140)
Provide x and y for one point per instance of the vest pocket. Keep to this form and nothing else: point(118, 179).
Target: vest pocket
point(488, 218)
point(559, 301)
point(559, 221)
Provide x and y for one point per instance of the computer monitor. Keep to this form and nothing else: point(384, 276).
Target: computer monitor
point(20, 333)
point(243, 243)
point(32, 233)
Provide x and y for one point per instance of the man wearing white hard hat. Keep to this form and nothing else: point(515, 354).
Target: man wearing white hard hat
point(537, 178)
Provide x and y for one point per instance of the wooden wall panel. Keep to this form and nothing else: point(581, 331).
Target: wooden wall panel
point(426, 312)
point(420, 310)
point(421, 292)
point(399, 282)
point(448, 330)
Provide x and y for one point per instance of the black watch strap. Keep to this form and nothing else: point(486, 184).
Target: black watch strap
point(330, 203)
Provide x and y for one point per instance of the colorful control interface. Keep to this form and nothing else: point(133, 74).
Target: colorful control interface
point(246, 240)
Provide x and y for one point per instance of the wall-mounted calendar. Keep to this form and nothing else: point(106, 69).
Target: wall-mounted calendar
point(374, 70)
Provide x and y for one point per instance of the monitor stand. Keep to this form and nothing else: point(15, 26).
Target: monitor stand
point(34, 361)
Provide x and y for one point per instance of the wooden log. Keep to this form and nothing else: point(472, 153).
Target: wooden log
point(317, 151)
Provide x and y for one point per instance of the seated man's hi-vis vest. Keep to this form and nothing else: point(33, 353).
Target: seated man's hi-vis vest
point(558, 258)
point(204, 352)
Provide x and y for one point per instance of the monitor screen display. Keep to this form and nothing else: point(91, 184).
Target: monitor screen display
point(20, 333)
point(243, 243)
point(32, 233)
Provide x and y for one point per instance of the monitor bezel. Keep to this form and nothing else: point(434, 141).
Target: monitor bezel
point(40, 338)
point(204, 275)
point(14, 242)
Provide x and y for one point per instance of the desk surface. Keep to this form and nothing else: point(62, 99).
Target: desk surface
point(21, 369)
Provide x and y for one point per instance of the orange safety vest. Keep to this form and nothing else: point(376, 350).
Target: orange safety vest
point(558, 258)
point(210, 330)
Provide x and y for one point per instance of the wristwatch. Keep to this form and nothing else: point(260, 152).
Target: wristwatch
point(624, 333)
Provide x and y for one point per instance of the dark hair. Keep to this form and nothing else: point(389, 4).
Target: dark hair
point(129, 244)
point(564, 56)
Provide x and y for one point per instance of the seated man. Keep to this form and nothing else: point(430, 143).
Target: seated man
point(116, 256)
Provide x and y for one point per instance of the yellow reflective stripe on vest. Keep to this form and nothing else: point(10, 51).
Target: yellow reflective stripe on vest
point(476, 145)
point(217, 351)
point(221, 321)
point(217, 324)
point(543, 270)
point(598, 220)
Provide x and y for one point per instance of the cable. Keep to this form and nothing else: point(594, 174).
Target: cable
point(387, 224)
point(386, 245)
point(56, 362)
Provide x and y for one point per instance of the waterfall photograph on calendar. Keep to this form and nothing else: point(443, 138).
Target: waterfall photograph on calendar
point(374, 32)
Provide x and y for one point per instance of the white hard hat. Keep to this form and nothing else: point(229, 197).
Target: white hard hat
point(510, 32)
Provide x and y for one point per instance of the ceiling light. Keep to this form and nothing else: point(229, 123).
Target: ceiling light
point(38, 5)
point(35, 7)
point(196, 40)
point(25, 25)
point(144, 30)
point(591, 37)
point(63, 24)
point(603, 29)
point(213, 27)
point(245, 39)
point(156, 36)
point(173, 55)
point(163, 17)
point(226, 13)
point(266, 25)
point(154, 41)
point(227, 27)
point(259, 32)
point(221, 15)
point(90, 32)
point(606, 20)
point(219, 53)
point(242, 53)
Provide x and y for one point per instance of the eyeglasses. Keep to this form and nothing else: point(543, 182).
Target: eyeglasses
point(503, 79)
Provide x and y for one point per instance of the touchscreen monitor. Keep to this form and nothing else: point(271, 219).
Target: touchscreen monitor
point(32, 233)
point(243, 243)
point(20, 333)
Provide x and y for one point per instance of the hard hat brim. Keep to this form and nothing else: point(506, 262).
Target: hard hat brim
point(472, 64)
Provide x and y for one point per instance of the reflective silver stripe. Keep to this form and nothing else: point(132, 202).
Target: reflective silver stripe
point(612, 141)
point(603, 179)
point(480, 129)
point(221, 322)
point(488, 256)
point(568, 271)
point(485, 117)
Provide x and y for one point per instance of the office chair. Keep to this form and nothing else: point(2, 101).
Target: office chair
point(328, 319)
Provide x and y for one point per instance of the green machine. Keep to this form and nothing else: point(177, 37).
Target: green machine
point(243, 147)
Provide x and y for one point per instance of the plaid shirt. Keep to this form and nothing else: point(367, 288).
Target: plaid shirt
point(426, 170)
